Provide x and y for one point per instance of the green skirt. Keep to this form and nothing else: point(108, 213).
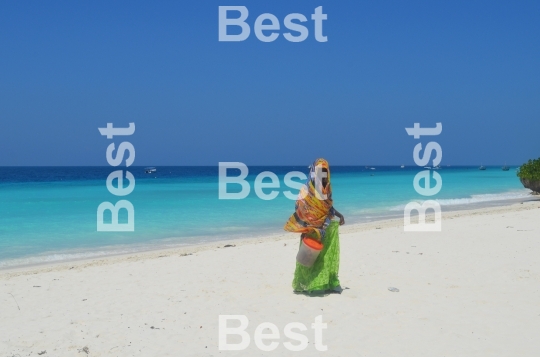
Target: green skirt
point(323, 275)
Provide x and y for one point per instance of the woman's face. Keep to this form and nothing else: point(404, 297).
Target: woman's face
point(325, 178)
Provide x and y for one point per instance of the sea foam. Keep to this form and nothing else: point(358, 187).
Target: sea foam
point(477, 199)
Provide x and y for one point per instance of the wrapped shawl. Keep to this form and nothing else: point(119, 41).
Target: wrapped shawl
point(313, 210)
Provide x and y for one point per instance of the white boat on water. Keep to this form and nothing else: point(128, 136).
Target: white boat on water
point(402, 166)
point(150, 170)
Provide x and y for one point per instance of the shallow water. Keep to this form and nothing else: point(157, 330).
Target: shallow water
point(49, 213)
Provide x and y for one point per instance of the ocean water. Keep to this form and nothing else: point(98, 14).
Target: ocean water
point(49, 213)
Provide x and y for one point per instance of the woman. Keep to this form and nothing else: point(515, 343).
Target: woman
point(313, 218)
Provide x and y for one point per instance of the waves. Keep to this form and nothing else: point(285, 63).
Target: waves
point(60, 257)
point(478, 199)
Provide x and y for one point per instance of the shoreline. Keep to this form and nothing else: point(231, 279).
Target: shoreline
point(193, 248)
point(71, 236)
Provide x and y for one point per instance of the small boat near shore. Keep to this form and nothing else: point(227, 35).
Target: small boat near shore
point(482, 168)
point(150, 170)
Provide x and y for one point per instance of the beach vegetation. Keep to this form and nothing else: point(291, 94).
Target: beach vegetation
point(529, 175)
point(530, 170)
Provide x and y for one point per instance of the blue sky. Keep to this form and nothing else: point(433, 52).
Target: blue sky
point(71, 67)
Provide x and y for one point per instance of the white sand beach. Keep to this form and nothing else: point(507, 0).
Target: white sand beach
point(471, 290)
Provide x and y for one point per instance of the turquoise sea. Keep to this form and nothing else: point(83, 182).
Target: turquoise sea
point(49, 213)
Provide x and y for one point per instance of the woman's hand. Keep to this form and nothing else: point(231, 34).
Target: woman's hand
point(341, 218)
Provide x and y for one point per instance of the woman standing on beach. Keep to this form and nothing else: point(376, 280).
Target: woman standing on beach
point(313, 215)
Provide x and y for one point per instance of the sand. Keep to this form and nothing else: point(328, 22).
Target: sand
point(471, 290)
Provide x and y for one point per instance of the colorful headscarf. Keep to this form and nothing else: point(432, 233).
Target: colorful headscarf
point(313, 210)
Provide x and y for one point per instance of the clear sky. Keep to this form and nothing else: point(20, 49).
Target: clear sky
point(69, 67)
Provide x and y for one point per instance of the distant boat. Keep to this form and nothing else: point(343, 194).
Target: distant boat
point(150, 170)
point(505, 168)
point(402, 166)
point(372, 168)
point(427, 167)
point(436, 167)
point(482, 167)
